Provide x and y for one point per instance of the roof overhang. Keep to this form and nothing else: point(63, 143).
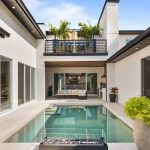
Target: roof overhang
point(130, 32)
point(75, 64)
point(3, 33)
point(18, 8)
point(140, 42)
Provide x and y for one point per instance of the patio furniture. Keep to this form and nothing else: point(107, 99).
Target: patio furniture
point(72, 94)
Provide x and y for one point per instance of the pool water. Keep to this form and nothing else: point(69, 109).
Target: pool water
point(74, 122)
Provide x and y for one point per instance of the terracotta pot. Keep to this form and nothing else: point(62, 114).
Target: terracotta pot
point(141, 134)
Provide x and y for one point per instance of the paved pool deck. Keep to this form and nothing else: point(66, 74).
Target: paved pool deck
point(15, 120)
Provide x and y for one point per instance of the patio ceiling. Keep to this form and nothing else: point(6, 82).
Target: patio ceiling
point(75, 64)
point(18, 8)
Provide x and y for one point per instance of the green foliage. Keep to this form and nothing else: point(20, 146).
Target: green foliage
point(62, 32)
point(88, 31)
point(138, 108)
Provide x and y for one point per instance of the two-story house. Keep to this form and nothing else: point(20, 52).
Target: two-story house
point(33, 61)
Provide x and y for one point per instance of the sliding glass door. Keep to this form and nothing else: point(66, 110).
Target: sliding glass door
point(58, 82)
point(146, 77)
point(5, 95)
point(92, 83)
point(81, 81)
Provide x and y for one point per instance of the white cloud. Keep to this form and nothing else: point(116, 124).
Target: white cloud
point(59, 11)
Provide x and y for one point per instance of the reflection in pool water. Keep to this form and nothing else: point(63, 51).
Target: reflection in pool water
point(74, 122)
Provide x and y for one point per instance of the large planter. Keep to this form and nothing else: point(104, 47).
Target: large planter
point(141, 134)
point(112, 97)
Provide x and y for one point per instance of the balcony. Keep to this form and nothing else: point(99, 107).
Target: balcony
point(75, 47)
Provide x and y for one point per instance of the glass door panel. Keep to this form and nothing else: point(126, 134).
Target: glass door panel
point(92, 83)
point(5, 97)
point(146, 77)
point(27, 81)
point(58, 82)
point(20, 83)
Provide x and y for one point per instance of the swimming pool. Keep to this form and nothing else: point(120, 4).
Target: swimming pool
point(74, 122)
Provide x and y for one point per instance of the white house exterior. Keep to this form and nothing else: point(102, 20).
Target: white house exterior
point(129, 68)
point(19, 50)
point(31, 69)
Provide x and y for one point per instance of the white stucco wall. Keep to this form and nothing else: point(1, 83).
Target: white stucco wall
point(123, 38)
point(20, 47)
point(128, 75)
point(75, 58)
point(110, 24)
point(110, 77)
point(103, 24)
point(50, 37)
point(40, 71)
point(51, 70)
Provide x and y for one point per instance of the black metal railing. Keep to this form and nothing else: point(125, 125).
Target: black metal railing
point(75, 47)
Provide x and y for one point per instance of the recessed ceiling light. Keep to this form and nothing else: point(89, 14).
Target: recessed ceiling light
point(13, 7)
point(33, 31)
point(136, 48)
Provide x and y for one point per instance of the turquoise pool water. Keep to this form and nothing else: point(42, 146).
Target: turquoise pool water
point(74, 122)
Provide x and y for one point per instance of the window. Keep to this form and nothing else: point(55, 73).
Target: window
point(128, 41)
point(20, 83)
point(5, 86)
point(92, 83)
point(26, 83)
point(32, 83)
point(146, 77)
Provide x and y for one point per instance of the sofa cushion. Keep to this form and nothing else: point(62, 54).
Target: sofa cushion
point(69, 92)
point(60, 91)
point(74, 92)
point(65, 92)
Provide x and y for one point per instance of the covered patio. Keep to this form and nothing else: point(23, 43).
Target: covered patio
point(74, 77)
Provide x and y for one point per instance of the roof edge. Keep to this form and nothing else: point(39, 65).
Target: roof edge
point(31, 18)
point(124, 32)
point(107, 1)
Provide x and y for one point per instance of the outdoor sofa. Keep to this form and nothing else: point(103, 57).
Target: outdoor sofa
point(72, 94)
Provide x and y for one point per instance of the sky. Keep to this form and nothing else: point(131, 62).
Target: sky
point(133, 14)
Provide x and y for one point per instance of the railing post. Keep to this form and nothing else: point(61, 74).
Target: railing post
point(45, 47)
point(94, 45)
point(105, 45)
point(54, 46)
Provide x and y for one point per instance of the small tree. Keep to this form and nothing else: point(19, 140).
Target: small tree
point(88, 31)
point(62, 32)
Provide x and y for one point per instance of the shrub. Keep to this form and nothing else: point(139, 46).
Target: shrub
point(138, 108)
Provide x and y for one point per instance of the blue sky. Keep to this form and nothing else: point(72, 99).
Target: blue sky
point(133, 14)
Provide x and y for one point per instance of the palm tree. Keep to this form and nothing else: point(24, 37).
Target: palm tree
point(88, 31)
point(62, 32)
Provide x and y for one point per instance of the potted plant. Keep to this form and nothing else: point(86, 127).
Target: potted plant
point(113, 94)
point(138, 109)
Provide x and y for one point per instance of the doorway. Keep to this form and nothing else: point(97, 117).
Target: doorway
point(146, 77)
